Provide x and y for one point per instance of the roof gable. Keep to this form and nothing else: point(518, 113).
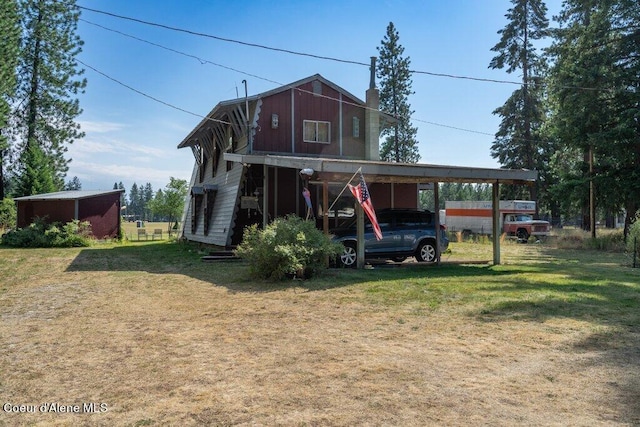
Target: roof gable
point(224, 107)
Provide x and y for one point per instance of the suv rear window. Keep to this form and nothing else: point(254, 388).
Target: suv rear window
point(412, 219)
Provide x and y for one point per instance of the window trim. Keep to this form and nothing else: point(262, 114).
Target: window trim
point(316, 122)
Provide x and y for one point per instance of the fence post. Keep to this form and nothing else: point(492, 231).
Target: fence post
point(635, 251)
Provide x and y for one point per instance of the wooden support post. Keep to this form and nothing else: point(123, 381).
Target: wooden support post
point(325, 207)
point(436, 212)
point(360, 234)
point(496, 222)
point(265, 196)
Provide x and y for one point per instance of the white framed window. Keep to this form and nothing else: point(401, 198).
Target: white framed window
point(316, 131)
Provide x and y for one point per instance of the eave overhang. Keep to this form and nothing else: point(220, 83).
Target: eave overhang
point(340, 170)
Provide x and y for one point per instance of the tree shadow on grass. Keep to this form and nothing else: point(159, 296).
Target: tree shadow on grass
point(178, 258)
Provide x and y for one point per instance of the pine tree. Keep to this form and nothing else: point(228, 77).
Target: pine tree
point(585, 62)
point(596, 97)
point(35, 173)
point(400, 143)
point(518, 140)
point(134, 207)
point(49, 81)
point(74, 184)
point(9, 50)
point(147, 196)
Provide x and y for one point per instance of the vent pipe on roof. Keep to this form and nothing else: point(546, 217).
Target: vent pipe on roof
point(372, 80)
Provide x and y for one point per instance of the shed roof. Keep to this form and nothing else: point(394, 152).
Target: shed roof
point(67, 195)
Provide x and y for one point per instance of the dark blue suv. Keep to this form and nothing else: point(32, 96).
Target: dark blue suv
point(405, 233)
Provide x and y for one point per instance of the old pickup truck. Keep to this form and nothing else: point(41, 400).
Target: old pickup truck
point(475, 217)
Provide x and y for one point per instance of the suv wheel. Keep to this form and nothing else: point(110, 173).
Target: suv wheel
point(349, 256)
point(426, 252)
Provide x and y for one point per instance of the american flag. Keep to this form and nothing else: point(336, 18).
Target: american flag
point(361, 193)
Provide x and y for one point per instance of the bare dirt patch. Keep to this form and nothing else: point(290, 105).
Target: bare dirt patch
point(180, 343)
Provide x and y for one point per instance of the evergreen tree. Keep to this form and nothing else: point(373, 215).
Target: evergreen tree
point(49, 81)
point(147, 196)
point(74, 184)
point(35, 173)
point(400, 143)
point(622, 171)
point(519, 138)
point(135, 207)
point(9, 50)
point(595, 104)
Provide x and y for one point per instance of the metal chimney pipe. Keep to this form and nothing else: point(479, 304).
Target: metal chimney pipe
point(372, 80)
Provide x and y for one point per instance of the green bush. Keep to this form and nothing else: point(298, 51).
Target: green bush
point(39, 234)
point(288, 247)
point(634, 238)
point(8, 214)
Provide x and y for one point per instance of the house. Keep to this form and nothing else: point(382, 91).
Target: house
point(311, 118)
point(100, 208)
point(269, 155)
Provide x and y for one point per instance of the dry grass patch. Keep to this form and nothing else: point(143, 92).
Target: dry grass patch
point(548, 338)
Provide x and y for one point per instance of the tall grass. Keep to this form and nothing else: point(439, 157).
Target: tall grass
point(605, 240)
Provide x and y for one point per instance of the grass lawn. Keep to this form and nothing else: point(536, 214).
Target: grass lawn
point(151, 335)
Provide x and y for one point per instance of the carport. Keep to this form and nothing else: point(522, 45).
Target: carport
point(330, 170)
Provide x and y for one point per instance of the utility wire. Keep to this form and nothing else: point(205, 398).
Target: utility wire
point(202, 61)
point(292, 52)
point(205, 61)
point(139, 92)
point(328, 58)
point(195, 33)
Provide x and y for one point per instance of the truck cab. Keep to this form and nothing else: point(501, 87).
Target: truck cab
point(522, 226)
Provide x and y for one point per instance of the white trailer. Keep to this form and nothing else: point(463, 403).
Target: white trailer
point(475, 217)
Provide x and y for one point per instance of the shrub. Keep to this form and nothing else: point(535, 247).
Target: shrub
point(39, 234)
point(606, 240)
point(8, 214)
point(288, 247)
point(634, 238)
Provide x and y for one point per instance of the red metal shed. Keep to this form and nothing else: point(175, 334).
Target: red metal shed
point(100, 208)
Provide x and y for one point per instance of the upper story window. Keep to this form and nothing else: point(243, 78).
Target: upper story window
point(356, 127)
point(315, 131)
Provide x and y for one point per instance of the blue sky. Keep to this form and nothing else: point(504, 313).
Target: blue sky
point(132, 138)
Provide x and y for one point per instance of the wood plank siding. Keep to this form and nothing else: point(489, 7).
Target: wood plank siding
point(313, 101)
point(220, 215)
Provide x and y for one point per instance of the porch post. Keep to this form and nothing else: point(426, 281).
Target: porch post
point(496, 222)
point(265, 196)
point(325, 207)
point(360, 234)
point(436, 213)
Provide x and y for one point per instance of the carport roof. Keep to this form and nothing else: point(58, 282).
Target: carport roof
point(341, 170)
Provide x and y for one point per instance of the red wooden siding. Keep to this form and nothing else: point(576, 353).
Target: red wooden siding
point(103, 214)
point(308, 106)
point(102, 211)
point(404, 195)
point(58, 211)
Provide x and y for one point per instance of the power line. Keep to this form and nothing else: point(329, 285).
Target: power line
point(327, 58)
point(139, 92)
point(292, 52)
point(201, 60)
point(205, 61)
point(224, 39)
point(290, 87)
